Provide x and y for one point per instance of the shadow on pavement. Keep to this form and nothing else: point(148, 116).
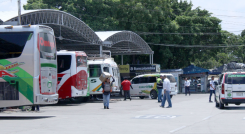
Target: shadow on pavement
point(234, 108)
point(24, 117)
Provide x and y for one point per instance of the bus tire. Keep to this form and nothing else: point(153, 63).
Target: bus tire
point(171, 96)
point(153, 94)
point(142, 97)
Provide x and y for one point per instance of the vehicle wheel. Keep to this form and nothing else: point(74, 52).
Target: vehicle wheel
point(221, 105)
point(216, 103)
point(153, 94)
point(171, 96)
point(142, 97)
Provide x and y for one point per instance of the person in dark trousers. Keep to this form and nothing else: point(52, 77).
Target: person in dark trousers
point(166, 90)
point(159, 88)
point(126, 84)
point(107, 88)
point(187, 87)
point(212, 89)
point(33, 108)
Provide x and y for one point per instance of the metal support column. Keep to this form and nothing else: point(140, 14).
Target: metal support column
point(101, 51)
point(19, 12)
point(150, 58)
point(121, 59)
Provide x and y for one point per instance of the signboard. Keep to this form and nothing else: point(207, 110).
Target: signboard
point(142, 68)
point(124, 68)
point(130, 71)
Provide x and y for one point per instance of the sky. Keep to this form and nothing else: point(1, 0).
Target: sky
point(231, 12)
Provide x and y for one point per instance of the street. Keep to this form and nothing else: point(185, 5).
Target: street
point(190, 114)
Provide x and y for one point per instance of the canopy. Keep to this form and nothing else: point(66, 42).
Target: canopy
point(194, 70)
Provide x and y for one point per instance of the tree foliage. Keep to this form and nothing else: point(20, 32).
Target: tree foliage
point(157, 16)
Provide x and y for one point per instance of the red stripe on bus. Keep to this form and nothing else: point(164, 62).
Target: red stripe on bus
point(47, 93)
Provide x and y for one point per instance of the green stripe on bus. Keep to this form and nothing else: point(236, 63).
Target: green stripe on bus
point(99, 88)
point(48, 65)
point(24, 79)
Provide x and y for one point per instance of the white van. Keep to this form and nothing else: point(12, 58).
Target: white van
point(145, 85)
point(230, 89)
point(28, 65)
point(98, 65)
point(72, 75)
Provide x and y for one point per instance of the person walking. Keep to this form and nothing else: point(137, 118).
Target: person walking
point(159, 88)
point(212, 88)
point(126, 84)
point(107, 88)
point(187, 87)
point(166, 89)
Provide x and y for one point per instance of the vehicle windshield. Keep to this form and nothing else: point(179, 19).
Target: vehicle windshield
point(235, 78)
point(94, 70)
point(47, 46)
point(13, 43)
point(171, 78)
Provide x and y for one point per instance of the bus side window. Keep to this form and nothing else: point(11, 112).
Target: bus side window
point(152, 79)
point(143, 80)
point(106, 69)
point(135, 81)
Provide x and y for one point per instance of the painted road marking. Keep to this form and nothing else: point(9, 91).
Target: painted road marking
point(155, 116)
point(177, 129)
point(206, 118)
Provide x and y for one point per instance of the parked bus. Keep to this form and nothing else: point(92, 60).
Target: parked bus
point(72, 75)
point(28, 73)
point(96, 67)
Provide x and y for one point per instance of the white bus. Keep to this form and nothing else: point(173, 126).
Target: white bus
point(72, 75)
point(28, 72)
point(96, 66)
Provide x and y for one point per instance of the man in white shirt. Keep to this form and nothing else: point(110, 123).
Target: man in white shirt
point(212, 88)
point(166, 89)
point(187, 87)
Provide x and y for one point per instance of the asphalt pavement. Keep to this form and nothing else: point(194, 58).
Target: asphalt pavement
point(189, 115)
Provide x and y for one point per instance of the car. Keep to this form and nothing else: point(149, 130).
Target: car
point(230, 89)
point(145, 85)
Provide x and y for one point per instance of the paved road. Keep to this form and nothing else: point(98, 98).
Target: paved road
point(190, 114)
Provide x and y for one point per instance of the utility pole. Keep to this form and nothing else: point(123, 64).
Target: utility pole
point(19, 12)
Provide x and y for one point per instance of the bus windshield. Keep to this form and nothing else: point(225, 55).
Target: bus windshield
point(47, 46)
point(81, 61)
point(13, 43)
point(94, 70)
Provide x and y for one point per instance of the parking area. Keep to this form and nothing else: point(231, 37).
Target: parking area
point(190, 114)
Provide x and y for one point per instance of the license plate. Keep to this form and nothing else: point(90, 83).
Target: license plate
point(239, 94)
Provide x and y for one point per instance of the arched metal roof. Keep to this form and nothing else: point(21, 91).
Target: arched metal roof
point(71, 33)
point(124, 43)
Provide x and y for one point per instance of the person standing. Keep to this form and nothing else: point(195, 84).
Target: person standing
point(212, 88)
point(126, 84)
point(187, 87)
point(107, 88)
point(166, 89)
point(33, 108)
point(159, 88)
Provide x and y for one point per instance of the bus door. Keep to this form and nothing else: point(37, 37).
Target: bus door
point(64, 74)
point(48, 71)
point(94, 81)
